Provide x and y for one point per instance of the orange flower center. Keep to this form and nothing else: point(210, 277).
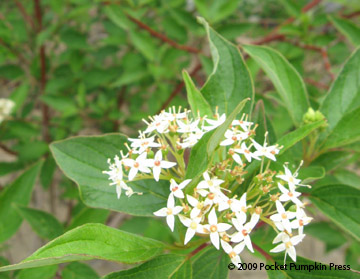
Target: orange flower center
point(284, 216)
point(213, 228)
point(136, 165)
point(157, 163)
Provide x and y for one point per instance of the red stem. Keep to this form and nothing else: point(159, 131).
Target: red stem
point(197, 250)
point(262, 252)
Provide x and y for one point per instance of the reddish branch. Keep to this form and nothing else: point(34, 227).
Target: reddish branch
point(8, 150)
point(44, 107)
point(316, 83)
point(178, 88)
point(162, 37)
point(263, 252)
point(197, 250)
point(25, 15)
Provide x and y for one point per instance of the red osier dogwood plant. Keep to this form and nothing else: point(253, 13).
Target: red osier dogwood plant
point(215, 174)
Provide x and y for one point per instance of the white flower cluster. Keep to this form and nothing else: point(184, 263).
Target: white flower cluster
point(6, 107)
point(207, 205)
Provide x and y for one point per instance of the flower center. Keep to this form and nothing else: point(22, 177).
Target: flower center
point(229, 202)
point(193, 225)
point(210, 183)
point(213, 228)
point(211, 196)
point(231, 152)
point(199, 205)
point(174, 188)
point(247, 151)
point(290, 194)
point(301, 223)
point(291, 179)
point(157, 163)
point(234, 138)
point(244, 232)
point(232, 254)
point(169, 211)
point(243, 209)
point(283, 216)
point(288, 244)
point(136, 165)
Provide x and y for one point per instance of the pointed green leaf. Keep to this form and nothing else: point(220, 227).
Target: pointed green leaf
point(347, 28)
point(43, 223)
point(196, 100)
point(92, 241)
point(89, 215)
point(285, 78)
point(210, 263)
point(230, 81)
point(83, 159)
point(344, 94)
point(77, 270)
point(162, 267)
point(44, 272)
point(341, 204)
point(18, 192)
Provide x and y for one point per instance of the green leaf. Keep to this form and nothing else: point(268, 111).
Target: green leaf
point(77, 270)
point(210, 263)
point(347, 28)
point(260, 118)
point(331, 160)
point(44, 272)
point(89, 215)
point(285, 78)
point(326, 232)
point(19, 96)
point(216, 10)
point(43, 223)
point(201, 153)
point(296, 272)
point(344, 94)
point(345, 132)
point(83, 159)
point(230, 82)
point(196, 100)
point(4, 275)
point(348, 178)
point(308, 174)
point(10, 71)
point(92, 241)
point(117, 16)
point(144, 44)
point(341, 204)
point(18, 192)
point(162, 267)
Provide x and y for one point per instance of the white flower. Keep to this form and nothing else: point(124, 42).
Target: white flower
point(116, 175)
point(188, 127)
point(301, 220)
point(246, 152)
point(287, 244)
point(169, 212)
point(281, 219)
point(245, 125)
point(177, 188)
point(173, 115)
point(159, 123)
point(233, 252)
point(214, 123)
point(233, 136)
point(191, 139)
point(193, 226)
point(235, 156)
point(210, 183)
point(243, 231)
point(139, 164)
point(291, 195)
point(197, 206)
point(157, 164)
point(215, 228)
point(6, 107)
point(289, 178)
point(237, 206)
point(212, 198)
point(141, 144)
point(267, 151)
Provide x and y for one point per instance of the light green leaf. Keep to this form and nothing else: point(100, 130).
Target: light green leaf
point(348, 178)
point(18, 192)
point(200, 156)
point(344, 94)
point(341, 204)
point(230, 82)
point(144, 44)
point(285, 78)
point(92, 241)
point(308, 174)
point(210, 263)
point(77, 270)
point(216, 10)
point(117, 16)
point(196, 100)
point(83, 159)
point(162, 267)
point(299, 273)
point(89, 215)
point(345, 132)
point(43, 223)
point(347, 28)
point(44, 272)
point(19, 96)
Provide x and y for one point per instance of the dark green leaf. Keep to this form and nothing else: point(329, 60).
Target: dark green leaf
point(44, 272)
point(347, 28)
point(89, 215)
point(77, 270)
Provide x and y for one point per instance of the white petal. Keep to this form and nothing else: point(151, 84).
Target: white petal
point(184, 183)
point(297, 239)
point(254, 220)
point(237, 237)
point(278, 238)
point(279, 248)
point(189, 235)
point(292, 253)
point(170, 220)
point(192, 200)
point(276, 217)
point(179, 194)
point(118, 191)
point(284, 198)
point(177, 209)
point(239, 248)
point(283, 189)
point(222, 227)
point(167, 165)
point(226, 246)
point(212, 217)
point(171, 201)
point(227, 142)
point(161, 212)
point(214, 237)
point(156, 172)
point(280, 207)
point(248, 243)
point(158, 155)
point(194, 212)
point(132, 173)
